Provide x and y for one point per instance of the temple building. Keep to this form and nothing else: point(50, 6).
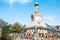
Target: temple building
point(37, 29)
point(37, 22)
point(37, 26)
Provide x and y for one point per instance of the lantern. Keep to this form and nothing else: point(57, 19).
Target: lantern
point(50, 35)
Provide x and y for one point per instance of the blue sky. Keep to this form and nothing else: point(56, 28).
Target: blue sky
point(13, 11)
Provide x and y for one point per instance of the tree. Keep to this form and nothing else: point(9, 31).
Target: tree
point(5, 31)
point(17, 28)
point(5, 28)
point(2, 23)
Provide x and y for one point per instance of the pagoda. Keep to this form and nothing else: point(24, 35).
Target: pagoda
point(36, 22)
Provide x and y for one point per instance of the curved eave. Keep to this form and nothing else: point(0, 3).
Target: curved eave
point(58, 30)
point(39, 27)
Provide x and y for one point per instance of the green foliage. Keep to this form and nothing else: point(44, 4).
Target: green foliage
point(8, 28)
point(5, 28)
point(5, 31)
point(17, 28)
point(2, 23)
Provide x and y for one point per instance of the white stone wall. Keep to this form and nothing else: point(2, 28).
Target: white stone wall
point(42, 31)
point(59, 33)
point(29, 30)
point(38, 30)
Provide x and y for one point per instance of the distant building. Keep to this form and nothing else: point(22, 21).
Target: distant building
point(58, 30)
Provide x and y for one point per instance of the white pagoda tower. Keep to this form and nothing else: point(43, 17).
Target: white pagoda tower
point(37, 25)
point(36, 18)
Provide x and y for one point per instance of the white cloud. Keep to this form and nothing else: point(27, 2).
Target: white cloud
point(25, 1)
point(19, 1)
point(50, 18)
